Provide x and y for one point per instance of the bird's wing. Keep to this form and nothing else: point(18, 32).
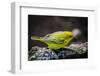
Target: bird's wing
point(59, 40)
point(53, 39)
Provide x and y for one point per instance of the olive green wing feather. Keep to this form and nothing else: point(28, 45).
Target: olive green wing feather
point(53, 39)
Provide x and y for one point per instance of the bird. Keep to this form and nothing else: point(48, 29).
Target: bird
point(56, 40)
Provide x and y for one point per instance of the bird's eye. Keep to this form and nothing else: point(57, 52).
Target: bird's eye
point(70, 36)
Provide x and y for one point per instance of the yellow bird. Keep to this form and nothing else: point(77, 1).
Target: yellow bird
point(56, 40)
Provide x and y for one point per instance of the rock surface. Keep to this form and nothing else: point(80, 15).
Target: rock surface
point(39, 53)
point(71, 52)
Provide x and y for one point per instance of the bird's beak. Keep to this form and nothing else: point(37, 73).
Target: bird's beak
point(76, 32)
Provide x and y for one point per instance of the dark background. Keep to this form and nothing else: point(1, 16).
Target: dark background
point(40, 25)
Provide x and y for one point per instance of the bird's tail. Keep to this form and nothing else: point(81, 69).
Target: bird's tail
point(36, 38)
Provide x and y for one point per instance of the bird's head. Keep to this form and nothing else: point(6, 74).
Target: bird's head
point(69, 35)
point(72, 34)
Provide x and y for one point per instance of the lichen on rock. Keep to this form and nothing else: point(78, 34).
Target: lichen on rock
point(42, 54)
point(73, 51)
